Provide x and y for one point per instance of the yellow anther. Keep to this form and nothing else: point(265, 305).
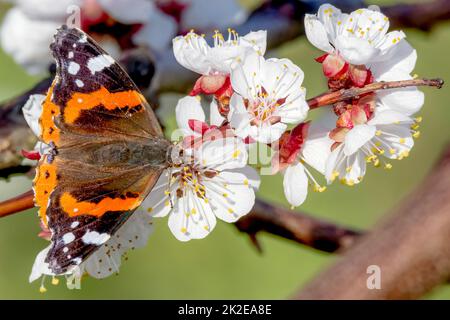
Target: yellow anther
point(166, 192)
point(236, 154)
point(322, 189)
point(167, 203)
point(193, 211)
point(402, 140)
point(246, 182)
point(419, 119)
point(381, 151)
point(184, 230)
point(378, 133)
point(415, 126)
point(377, 143)
point(225, 195)
point(392, 151)
point(349, 169)
point(206, 228)
point(230, 210)
point(376, 163)
point(55, 281)
point(42, 289)
point(416, 134)
point(149, 210)
point(388, 166)
point(334, 175)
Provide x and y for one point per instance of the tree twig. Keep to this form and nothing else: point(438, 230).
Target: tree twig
point(411, 247)
point(296, 226)
point(345, 94)
point(17, 204)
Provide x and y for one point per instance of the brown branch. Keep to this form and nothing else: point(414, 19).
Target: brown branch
point(332, 97)
point(411, 247)
point(295, 226)
point(17, 204)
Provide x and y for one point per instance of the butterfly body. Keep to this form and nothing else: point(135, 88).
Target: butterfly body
point(106, 151)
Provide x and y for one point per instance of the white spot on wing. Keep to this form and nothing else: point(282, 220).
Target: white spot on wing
point(99, 63)
point(65, 249)
point(70, 55)
point(77, 260)
point(83, 38)
point(74, 224)
point(73, 68)
point(68, 237)
point(93, 237)
point(80, 84)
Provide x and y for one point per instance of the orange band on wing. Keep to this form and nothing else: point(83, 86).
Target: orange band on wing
point(49, 131)
point(44, 183)
point(109, 100)
point(75, 208)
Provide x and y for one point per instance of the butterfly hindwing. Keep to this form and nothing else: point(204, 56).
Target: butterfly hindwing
point(107, 150)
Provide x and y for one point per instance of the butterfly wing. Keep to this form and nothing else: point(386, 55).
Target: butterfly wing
point(107, 150)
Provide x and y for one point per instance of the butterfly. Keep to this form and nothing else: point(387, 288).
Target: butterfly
point(107, 150)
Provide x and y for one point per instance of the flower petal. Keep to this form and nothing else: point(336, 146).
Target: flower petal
point(191, 52)
point(129, 12)
point(157, 202)
point(32, 111)
point(188, 108)
point(357, 137)
point(222, 154)
point(295, 184)
point(29, 49)
point(317, 34)
point(215, 118)
point(191, 218)
point(231, 196)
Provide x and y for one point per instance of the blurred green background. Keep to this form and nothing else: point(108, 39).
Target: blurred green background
point(225, 265)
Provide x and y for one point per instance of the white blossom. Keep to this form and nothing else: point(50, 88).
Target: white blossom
point(268, 96)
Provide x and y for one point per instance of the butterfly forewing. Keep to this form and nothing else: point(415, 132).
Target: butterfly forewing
point(107, 150)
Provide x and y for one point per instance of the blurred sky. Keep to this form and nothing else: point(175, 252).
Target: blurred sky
point(225, 265)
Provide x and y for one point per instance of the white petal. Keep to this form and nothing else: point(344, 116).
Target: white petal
point(47, 9)
point(247, 75)
point(405, 100)
point(188, 108)
point(268, 133)
point(157, 202)
point(396, 139)
point(388, 117)
point(191, 52)
point(355, 50)
point(215, 118)
point(350, 169)
point(32, 112)
point(252, 176)
point(222, 154)
point(357, 137)
point(231, 196)
point(238, 116)
point(317, 34)
point(191, 218)
point(295, 184)
point(402, 59)
point(316, 150)
point(40, 267)
point(27, 41)
point(257, 40)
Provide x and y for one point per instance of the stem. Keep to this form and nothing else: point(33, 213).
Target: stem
point(18, 204)
point(332, 97)
point(296, 226)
